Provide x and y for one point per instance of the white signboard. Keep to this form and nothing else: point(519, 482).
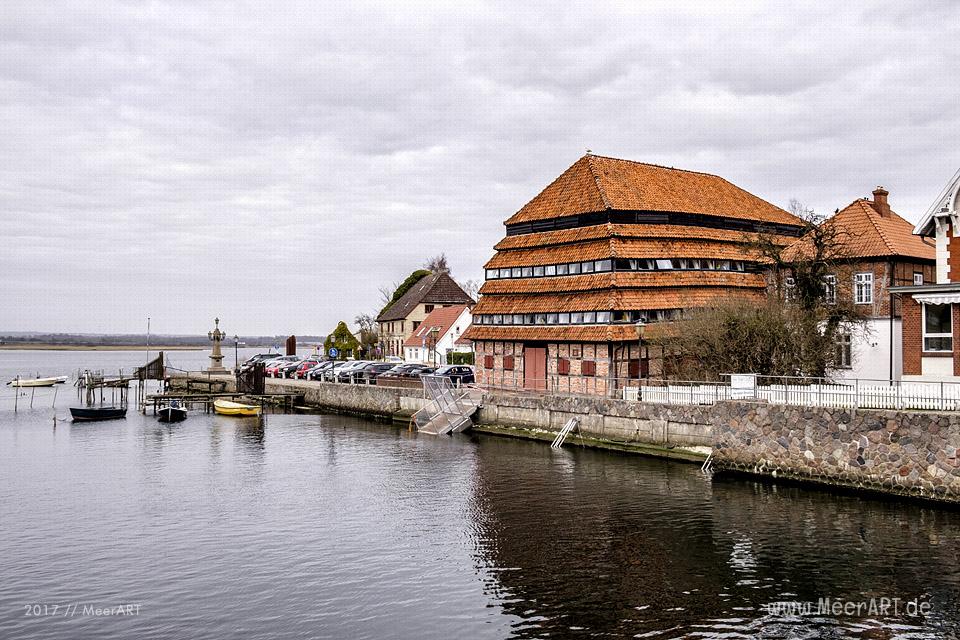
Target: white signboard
point(743, 386)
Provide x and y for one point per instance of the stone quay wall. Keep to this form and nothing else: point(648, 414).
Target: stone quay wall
point(909, 453)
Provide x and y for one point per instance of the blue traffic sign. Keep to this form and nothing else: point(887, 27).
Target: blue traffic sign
point(333, 352)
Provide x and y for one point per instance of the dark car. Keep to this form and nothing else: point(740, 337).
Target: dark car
point(458, 373)
point(371, 372)
point(416, 372)
point(316, 373)
point(260, 357)
point(287, 371)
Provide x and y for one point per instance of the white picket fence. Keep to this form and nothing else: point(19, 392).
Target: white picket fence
point(851, 394)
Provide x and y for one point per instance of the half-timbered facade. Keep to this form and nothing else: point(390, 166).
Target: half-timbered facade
point(609, 245)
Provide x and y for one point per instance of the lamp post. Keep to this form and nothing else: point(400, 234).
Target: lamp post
point(641, 327)
point(236, 352)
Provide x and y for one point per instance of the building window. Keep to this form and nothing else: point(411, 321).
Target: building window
point(416, 323)
point(508, 363)
point(937, 327)
point(488, 362)
point(844, 354)
point(427, 308)
point(563, 367)
point(830, 289)
point(918, 277)
point(588, 368)
point(863, 288)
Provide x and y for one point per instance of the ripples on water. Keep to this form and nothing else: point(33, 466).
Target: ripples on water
point(333, 527)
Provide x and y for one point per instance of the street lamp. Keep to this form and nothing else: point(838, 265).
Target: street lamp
point(641, 327)
point(236, 352)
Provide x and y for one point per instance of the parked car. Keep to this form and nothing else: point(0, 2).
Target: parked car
point(352, 371)
point(458, 373)
point(371, 372)
point(416, 372)
point(330, 375)
point(305, 366)
point(260, 357)
point(289, 369)
point(316, 372)
point(272, 368)
point(399, 370)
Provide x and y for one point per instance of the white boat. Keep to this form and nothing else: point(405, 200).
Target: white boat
point(37, 382)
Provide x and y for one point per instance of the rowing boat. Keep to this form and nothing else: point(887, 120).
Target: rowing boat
point(228, 408)
point(37, 382)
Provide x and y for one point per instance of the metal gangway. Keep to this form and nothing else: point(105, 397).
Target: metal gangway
point(449, 410)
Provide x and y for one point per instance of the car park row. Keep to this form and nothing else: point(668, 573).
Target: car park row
point(380, 372)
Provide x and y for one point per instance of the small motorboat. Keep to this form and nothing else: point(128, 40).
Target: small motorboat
point(228, 408)
point(90, 414)
point(37, 382)
point(173, 412)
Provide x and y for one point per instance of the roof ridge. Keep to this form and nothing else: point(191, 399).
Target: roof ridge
point(883, 236)
point(596, 181)
point(659, 166)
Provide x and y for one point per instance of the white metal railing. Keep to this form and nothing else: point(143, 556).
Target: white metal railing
point(806, 392)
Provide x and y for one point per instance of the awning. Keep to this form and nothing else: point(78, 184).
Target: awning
point(937, 298)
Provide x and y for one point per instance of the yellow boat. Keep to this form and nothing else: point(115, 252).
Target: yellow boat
point(227, 408)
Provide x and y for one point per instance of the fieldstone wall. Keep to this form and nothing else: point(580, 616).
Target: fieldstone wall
point(892, 451)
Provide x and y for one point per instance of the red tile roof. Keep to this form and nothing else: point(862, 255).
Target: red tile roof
point(597, 183)
point(642, 279)
point(440, 319)
point(865, 233)
point(591, 333)
point(609, 230)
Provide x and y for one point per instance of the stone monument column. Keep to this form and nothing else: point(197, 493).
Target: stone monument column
point(216, 358)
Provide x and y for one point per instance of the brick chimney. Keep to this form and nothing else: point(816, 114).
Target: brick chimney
point(880, 201)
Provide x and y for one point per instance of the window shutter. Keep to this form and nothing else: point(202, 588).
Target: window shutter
point(563, 367)
point(488, 362)
point(508, 363)
point(588, 368)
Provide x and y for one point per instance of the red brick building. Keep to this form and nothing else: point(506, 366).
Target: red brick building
point(609, 244)
point(878, 251)
point(931, 312)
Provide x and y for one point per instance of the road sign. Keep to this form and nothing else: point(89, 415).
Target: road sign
point(333, 352)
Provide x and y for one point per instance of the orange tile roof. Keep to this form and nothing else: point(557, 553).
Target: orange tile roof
point(612, 299)
point(620, 248)
point(643, 279)
point(864, 233)
point(597, 183)
point(440, 319)
point(665, 231)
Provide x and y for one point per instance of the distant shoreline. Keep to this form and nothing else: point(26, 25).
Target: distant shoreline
point(38, 346)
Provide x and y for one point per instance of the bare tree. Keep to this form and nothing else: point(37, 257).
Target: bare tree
point(794, 331)
point(471, 288)
point(437, 264)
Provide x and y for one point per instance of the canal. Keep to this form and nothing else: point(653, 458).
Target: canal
point(332, 527)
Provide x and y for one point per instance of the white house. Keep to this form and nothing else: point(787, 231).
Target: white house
point(437, 335)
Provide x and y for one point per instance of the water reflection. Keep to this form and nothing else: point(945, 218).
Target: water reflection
point(576, 541)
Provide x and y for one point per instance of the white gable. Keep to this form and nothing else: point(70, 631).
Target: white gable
point(946, 204)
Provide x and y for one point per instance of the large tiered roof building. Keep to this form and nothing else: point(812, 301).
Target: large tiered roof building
point(609, 244)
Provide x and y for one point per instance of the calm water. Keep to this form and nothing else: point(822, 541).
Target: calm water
point(333, 527)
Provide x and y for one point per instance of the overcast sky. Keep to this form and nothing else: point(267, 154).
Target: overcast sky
point(274, 165)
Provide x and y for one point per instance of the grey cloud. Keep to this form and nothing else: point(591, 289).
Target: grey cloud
point(301, 155)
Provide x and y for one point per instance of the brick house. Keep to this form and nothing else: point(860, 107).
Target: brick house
point(607, 245)
point(878, 251)
point(398, 322)
point(931, 312)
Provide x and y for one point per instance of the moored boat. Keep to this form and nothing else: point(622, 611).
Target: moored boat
point(37, 382)
point(173, 412)
point(90, 414)
point(229, 408)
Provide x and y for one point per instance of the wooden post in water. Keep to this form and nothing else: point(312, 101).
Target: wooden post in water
point(33, 390)
point(16, 393)
point(55, 398)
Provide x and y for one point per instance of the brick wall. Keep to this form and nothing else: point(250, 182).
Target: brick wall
point(912, 337)
point(955, 310)
point(953, 255)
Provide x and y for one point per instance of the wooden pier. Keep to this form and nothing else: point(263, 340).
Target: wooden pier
point(285, 402)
